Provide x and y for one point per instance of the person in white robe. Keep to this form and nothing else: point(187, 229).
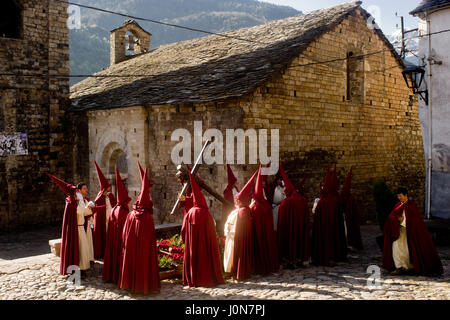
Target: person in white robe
point(86, 249)
point(400, 250)
point(108, 207)
point(278, 197)
point(229, 231)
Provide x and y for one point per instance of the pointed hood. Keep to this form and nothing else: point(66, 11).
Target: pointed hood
point(301, 186)
point(259, 192)
point(197, 195)
point(288, 186)
point(141, 171)
point(244, 195)
point(324, 191)
point(334, 184)
point(144, 195)
point(231, 178)
point(104, 183)
point(348, 184)
point(122, 194)
point(67, 188)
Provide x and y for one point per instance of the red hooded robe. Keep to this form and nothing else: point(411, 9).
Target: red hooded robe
point(243, 251)
point(349, 208)
point(140, 267)
point(327, 239)
point(423, 254)
point(202, 265)
point(293, 224)
point(69, 254)
point(99, 234)
point(265, 242)
point(340, 240)
point(112, 266)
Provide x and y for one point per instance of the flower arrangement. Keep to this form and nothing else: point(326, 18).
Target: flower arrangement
point(170, 253)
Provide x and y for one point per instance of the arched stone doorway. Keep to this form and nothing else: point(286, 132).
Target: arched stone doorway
point(113, 155)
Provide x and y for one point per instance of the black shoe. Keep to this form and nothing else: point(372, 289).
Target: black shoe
point(300, 264)
point(289, 266)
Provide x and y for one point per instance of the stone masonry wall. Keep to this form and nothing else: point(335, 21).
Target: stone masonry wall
point(144, 135)
point(377, 131)
point(380, 137)
point(35, 105)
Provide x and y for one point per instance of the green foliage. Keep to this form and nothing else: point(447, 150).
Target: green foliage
point(166, 263)
point(89, 46)
point(176, 241)
point(384, 199)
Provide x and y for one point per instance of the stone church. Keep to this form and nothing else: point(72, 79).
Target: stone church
point(34, 95)
point(355, 110)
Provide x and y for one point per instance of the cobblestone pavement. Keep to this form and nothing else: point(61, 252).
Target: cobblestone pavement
point(37, 278)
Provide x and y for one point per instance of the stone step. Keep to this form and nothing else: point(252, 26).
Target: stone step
point(55, 246)
point(162, 231)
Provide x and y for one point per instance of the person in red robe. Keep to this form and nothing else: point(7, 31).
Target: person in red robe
point(202, 266)
point(300, 187)
point(228, 195)
point(112, 266)
point(140, 267)
point(101, 216)
point(327, 246)
point(349, 209)
point(340, 239)
point(293, 226)
point(243, 247)
point(265, 242)
point(186, 201)
point(405, 224)
point(69, 254)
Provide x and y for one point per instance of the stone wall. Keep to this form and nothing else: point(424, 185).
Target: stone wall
point(380, 137)
point(440, 105)
point(35, 105)
point(376, 130)
point(144, 135)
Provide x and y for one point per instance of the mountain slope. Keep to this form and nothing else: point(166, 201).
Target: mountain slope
point(89, 46)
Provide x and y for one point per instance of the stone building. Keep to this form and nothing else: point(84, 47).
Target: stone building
point(434, 16)
point(355, 111)
point(34, 65)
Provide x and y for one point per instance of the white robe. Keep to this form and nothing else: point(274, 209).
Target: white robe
point(229, 231)
point(400, 250)
point(278, 197)
point(108, 210)
point(316, 202)
point(85, 245)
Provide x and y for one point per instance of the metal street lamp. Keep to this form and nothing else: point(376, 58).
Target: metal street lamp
point(414, 77)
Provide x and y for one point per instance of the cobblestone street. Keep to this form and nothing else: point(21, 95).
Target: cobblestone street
point(37, 277)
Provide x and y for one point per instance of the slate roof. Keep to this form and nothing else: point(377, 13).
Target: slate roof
point(427, 5)
point(209, 68)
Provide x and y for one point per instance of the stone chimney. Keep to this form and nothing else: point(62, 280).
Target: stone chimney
point(127, 41)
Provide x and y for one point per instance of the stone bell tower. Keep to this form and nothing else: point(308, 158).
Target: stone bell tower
point(127, 41)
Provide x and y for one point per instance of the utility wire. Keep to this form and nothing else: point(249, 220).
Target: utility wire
point(212, 33)
point(160, 22)
point(316, 62)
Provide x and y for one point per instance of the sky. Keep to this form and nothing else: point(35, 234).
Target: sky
point(382, 10)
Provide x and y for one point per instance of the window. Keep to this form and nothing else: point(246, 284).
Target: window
point(10, 20)
point(355, 77)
